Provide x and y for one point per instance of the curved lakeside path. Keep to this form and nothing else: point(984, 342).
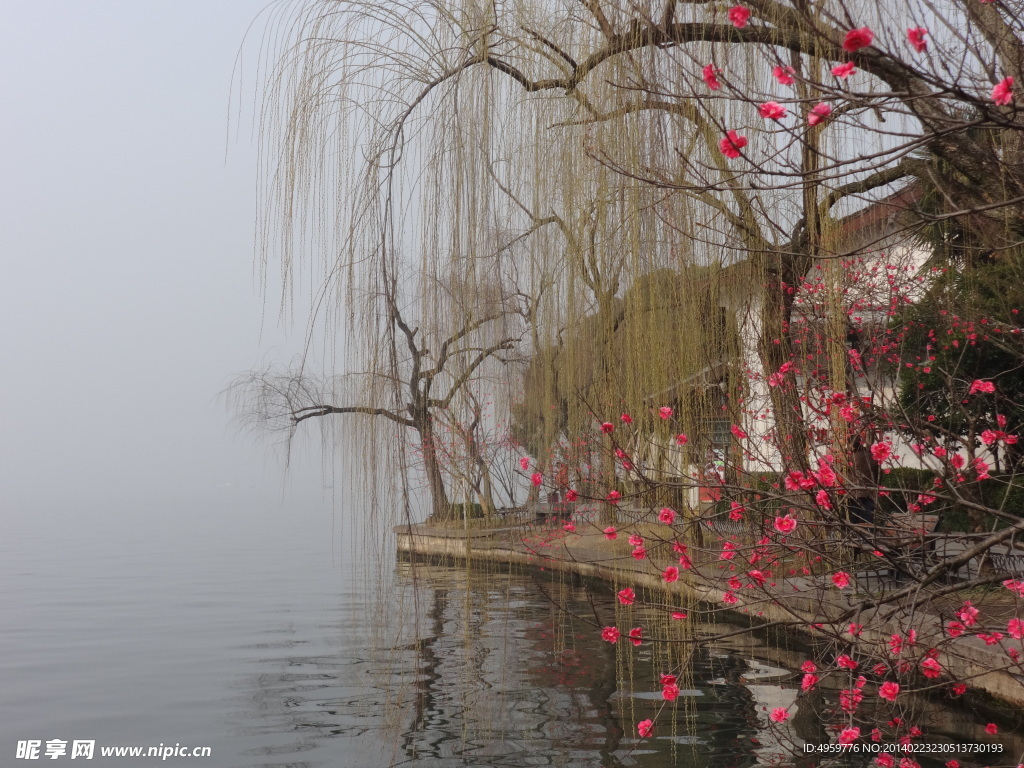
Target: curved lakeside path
point(811, 600)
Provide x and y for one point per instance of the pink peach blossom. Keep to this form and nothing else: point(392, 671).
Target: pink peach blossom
point(785, 524)
point(978, 385)
point(818, 113)
point(858, 38)
point(889, 691)
point(849, 735)
point(1015, 586)
point(1002, 94)
point(783, 75)
point(739, 15)
point(980, 468)
point(843, 71)
point(895, 644)
point(968, 614)
point(915, 36)
point(990, 436)
point(850, 699)
point(845, 662)
point(731, 146)
point(710, 74)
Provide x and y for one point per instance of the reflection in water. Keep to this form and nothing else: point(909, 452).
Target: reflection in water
point(249, 639)
point(486, 669)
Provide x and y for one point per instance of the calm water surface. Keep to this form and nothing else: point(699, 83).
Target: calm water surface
point(255, 631)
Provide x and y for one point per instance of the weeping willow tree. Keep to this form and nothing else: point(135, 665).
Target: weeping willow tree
point(569, 211)
point(428, 156)
point(566, 209)
point(669, 342)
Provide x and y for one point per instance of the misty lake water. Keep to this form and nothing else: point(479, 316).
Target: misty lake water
point(253, 631)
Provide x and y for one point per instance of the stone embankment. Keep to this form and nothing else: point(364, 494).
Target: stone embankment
point(806, 603)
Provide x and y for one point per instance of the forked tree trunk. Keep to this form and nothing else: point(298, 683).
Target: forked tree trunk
point(440, 507)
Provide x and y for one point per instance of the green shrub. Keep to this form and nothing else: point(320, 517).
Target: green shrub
point(998, 493)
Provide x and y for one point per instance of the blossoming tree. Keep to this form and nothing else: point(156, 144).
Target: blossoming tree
point(616, 140)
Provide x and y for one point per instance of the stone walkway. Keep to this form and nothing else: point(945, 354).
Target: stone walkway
point(811, 601)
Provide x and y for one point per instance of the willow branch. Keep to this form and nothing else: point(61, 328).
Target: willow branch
point(314, 411)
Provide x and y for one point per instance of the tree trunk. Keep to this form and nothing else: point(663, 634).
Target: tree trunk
point(483, 488)
point(486, 491)
point(775, 349)
point(440, 507)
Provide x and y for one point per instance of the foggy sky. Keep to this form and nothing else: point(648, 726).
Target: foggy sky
point(128, 295)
